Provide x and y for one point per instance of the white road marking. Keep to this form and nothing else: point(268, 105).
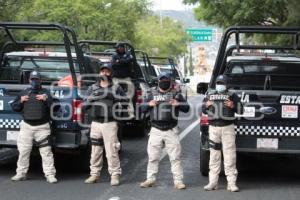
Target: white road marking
point(115, 198)
point(182, 135)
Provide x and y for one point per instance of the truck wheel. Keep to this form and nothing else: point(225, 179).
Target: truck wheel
point(204, 161)
point(147, 126)
point(84, 159)
point(138, 129)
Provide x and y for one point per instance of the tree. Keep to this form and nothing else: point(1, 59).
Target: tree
point(117, 20)
point(9, 8)
point(93, 19)
point(166, 39)
point(226, 13)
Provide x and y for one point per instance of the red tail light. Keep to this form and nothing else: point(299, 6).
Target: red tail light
point(174, 86)
point(204, 120)
point(139, 97)
point(44, 54)
point(267, 59)
point(76, 109)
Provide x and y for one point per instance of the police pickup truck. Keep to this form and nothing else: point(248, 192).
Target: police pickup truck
point(267, 79)
point(69, 133)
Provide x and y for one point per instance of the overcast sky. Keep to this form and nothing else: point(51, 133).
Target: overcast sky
point(169, 5)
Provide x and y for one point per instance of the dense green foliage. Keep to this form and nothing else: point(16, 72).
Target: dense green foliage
point(226, 13)
point(125, 20)
point(164, 38)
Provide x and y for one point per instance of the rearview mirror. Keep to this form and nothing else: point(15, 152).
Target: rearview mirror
point(202, 88)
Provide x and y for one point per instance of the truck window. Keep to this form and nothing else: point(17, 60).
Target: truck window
point(265, 68)
point(282, 75)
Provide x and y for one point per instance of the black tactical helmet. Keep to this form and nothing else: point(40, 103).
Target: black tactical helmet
point(107, 66)
point(164, 75)
point(120, 45)
point(222, 79)
point(35, 75)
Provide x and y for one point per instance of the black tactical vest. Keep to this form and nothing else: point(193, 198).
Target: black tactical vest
point(34, 110)
point(122, 69)
point(218, 110)
point(164, 110)
point(103, 102)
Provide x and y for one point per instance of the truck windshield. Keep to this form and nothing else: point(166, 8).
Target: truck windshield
point(168, 69)
point(14, 69)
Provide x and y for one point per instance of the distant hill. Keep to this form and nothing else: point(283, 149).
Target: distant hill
point(185, 17)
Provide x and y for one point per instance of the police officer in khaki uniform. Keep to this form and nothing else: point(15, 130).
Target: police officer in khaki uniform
point(34, 103)
point(103, 96)
point(221, 106)
point(164, 106)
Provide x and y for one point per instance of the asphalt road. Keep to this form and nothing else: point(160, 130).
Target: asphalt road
point(262, 178)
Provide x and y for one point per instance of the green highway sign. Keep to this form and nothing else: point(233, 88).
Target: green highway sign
point(200, 35)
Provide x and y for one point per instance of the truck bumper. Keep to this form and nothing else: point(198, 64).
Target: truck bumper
point(62, 140)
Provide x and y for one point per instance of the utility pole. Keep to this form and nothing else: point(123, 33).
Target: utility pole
point(160, 15)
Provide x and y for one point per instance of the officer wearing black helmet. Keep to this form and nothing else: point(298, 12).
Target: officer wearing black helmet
point(103, 98)
point(221, 105)
point(164, 105)
point(121, 62)
point(34, 103)
point(122, 68)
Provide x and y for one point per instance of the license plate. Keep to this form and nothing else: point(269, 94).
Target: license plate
point(288, 111)
point(12, 135)
point(267, 143)
point(1, 105)
point(248, 112)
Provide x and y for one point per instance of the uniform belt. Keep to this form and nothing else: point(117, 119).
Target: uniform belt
point(103, 120)
point(163, 127)
point(36, 122)
point(220, 123)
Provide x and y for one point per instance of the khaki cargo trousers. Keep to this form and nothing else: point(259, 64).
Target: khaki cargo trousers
point(226, 136)
point(29, 134)
point(157, 141)
point(107, 134)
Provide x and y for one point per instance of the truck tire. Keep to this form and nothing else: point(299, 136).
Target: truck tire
point(204, 161)
point(84, 159)
point(144, 128)
point(137, 129)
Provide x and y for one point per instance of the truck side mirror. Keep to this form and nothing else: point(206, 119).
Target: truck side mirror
point(186, 80)
point(153, 81)
point(202, 88)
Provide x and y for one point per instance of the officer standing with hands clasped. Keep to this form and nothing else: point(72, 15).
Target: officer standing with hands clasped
point(220, 106)
point(164, 106)
point(34, 103)
point(102, 98)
